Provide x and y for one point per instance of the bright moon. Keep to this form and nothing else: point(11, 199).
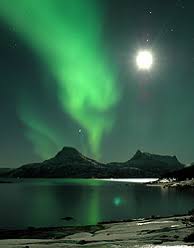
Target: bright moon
point(144, 60)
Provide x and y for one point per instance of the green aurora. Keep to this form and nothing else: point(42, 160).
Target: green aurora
point(68, 38)
point(44, 137)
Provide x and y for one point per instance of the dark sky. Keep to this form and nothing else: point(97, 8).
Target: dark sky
point(108, 108)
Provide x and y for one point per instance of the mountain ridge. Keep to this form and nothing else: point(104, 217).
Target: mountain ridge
point(70, 163)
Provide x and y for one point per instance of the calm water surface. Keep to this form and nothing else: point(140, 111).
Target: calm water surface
point(44, 202)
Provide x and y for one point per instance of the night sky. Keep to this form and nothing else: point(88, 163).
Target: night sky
point(68, 77)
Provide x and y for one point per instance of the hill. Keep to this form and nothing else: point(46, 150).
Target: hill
point(182, 174)
point(4, 171)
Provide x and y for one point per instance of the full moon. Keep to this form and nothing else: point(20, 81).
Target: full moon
point(144, 60)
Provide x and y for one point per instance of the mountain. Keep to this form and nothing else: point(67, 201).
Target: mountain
point(70, 163)
point(67, 163)
point(182, 174)
point(144, 164)
point(147, 160)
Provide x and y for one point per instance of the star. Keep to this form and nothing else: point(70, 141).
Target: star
point(13, 45)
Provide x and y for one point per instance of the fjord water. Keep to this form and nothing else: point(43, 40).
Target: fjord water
point(45, 202)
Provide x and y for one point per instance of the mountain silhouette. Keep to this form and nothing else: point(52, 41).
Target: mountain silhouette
point(70, 163)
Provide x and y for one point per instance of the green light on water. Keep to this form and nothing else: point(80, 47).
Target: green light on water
point(117, 201)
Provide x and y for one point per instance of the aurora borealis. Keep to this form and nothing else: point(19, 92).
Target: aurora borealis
point(69, 42)
point(68, 77)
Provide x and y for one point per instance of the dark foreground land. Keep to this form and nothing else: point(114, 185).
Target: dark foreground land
point(176, 231)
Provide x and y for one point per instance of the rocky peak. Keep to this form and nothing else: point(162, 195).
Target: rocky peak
point(137, 155)
point(68, 152)
point(145, 156)
point(65, 154)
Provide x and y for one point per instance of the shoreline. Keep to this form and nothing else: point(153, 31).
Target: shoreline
point(165, 183)
point(173, 230)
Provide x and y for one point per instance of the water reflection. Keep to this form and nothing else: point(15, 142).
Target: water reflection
point(48, 202)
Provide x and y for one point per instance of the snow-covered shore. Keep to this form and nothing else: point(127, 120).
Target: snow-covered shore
point(148, 233)
point(173, 183)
